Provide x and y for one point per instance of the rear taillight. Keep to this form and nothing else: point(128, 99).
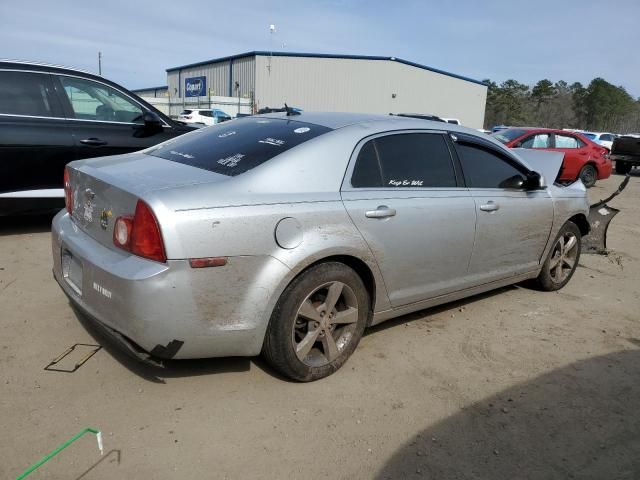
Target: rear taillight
point(68, 194)
point(140, 234)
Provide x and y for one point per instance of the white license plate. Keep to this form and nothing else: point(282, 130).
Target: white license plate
point(72, 271)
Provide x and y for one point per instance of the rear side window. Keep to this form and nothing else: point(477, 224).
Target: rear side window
point(404, 161)
point(23, 93)
point(484, 168)
point(238, 146)
point(567, 141)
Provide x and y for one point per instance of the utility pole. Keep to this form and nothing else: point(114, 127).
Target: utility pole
point(272, 31)
point(100, 63)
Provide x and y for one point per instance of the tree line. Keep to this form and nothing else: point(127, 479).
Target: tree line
point(600, 106)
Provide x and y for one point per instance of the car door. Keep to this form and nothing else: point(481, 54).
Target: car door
point(205, 117)
point(576, 154)
point(35, 138)
point(404, 196)
point(513, 224)
point(105, 121)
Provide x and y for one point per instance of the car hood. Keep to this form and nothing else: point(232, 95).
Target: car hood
point(544, 162)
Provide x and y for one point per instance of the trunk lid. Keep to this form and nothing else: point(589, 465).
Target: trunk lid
point(105, 188)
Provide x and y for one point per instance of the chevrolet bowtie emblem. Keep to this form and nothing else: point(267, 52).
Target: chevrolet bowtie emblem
point(104, 218)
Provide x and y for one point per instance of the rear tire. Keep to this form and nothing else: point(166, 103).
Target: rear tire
point(623, 168)
point(588, 175)
point(317, 322)
point(562, 259)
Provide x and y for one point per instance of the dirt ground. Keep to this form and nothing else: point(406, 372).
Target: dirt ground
point(511, 384)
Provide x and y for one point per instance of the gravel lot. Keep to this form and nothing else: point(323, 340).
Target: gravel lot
point(511, 384)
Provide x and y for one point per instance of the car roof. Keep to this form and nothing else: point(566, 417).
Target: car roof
point(42, 66)
point(335, 120)
point(543, 130)
point(357, 123)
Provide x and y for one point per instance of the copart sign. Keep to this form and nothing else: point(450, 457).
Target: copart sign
point(195, 87)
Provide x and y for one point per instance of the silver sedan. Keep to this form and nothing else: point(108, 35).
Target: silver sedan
point(289, 234)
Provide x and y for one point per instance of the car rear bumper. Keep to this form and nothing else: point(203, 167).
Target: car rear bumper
point(168, 310)
point(604, 169)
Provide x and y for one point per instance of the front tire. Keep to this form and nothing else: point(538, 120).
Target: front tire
point(588, 175)
point(562, 260)
point(622, 168)
point(317, 322)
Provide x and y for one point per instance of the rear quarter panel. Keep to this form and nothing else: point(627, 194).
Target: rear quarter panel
point(325, 230)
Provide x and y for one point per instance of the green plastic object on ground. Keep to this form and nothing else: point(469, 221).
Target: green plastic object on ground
point(49, 456)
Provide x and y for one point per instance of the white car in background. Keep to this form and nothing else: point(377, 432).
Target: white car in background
point(601, 138)
point(206, 116)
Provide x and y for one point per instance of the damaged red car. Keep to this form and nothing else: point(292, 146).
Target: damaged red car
point(583, 159)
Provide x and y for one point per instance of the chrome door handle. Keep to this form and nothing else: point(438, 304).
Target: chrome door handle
point(381, 212)
point(490, 206)
point(93, 142)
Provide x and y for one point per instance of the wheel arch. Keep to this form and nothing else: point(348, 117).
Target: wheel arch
point(589, 163)
point(356, 264)
point(582, 223)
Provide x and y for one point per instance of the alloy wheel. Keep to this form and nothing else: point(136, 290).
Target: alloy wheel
point(325, 324)
point(564, 256)
point(588, 175)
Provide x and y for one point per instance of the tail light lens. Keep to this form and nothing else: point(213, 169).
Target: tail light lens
point(68, 194)
point(140, 234)
point(122, 232)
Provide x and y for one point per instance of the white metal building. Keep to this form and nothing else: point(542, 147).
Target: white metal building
point(323, 82)
point(152, 92)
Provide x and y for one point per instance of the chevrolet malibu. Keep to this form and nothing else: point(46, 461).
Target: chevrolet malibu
point(290, 233)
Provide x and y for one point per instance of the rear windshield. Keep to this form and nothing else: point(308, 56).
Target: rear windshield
point(505, 136)
point(238, 146)
point(590, 136)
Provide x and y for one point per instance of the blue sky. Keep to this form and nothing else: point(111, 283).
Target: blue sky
point(139, 39)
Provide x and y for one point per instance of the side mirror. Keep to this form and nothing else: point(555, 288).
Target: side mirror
point(152, 122)
point(533, 181)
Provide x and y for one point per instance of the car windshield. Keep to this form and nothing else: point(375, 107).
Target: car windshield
point(505, 136)
point(235, 147)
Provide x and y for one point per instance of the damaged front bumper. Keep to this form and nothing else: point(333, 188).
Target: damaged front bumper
point(600, 216)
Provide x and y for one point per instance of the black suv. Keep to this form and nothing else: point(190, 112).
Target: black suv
point(51, 115)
